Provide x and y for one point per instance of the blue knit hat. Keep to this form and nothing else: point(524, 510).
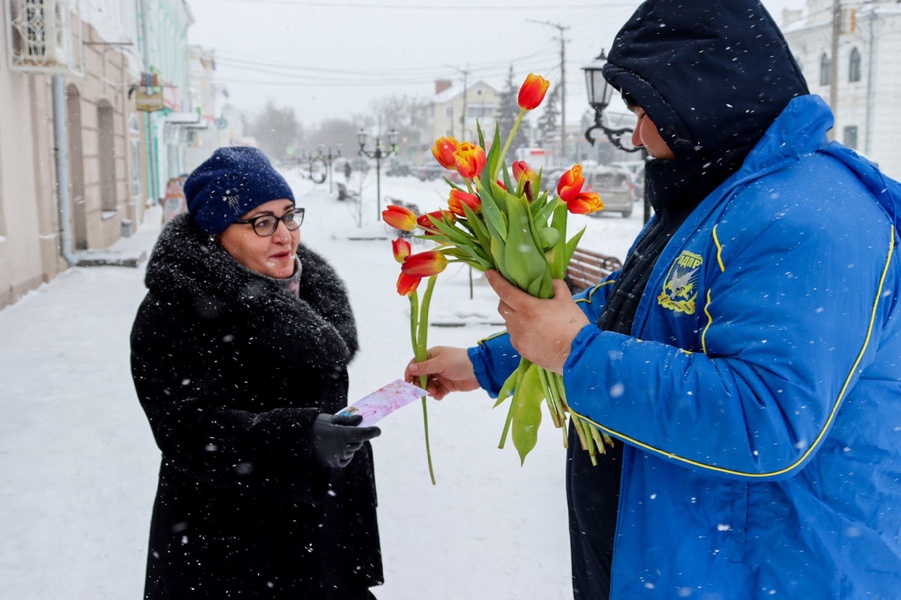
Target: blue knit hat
point(231, 183)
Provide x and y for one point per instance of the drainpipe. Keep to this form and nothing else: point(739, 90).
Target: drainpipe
point(60, 140)
point(870, 67)
point(152, 182)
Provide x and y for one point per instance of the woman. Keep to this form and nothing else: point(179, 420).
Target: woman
point(239, 357)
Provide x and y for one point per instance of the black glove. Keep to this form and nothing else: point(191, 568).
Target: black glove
point(336, 438)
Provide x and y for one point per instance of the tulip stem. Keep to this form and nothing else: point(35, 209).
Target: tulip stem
point(420, 348)
point(500, 159)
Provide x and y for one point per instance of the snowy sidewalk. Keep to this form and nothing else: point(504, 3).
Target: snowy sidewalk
point(78, 463)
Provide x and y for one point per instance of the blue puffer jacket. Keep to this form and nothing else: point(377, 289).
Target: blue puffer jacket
point(760, 397)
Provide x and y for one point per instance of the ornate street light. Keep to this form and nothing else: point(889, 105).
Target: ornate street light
point(599, 94)
point(327, 158)
point(378, 154)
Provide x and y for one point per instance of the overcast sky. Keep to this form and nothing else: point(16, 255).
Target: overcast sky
point(332, 58)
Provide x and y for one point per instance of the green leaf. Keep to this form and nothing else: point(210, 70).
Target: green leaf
point(527, 399)
point(523, 261)
point(549, 237)
point(493, 157)
point(492, 213)
point(477, 226)
point(560, 258)
point(498, 249)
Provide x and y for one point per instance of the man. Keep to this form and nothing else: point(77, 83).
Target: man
point(746, 357)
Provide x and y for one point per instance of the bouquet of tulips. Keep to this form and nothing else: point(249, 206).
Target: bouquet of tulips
point(495, 221)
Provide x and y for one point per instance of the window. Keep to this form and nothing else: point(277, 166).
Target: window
point(854, 66)
point(825, 67)
point(135, 146)
point(449, 112)
point(479, 111)
point(850, 137)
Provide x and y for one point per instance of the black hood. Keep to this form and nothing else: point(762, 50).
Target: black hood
point(713, 75)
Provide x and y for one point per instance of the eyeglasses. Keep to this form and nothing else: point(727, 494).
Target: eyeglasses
point(265, 224)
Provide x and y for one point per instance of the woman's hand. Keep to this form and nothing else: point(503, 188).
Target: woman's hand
point(448, 369)
point(541, 330)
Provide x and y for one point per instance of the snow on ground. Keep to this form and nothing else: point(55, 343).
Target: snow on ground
point(78, 463)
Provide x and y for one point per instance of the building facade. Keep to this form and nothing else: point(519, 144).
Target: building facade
point(454, 110)
point(867, 83)
point(79, 163)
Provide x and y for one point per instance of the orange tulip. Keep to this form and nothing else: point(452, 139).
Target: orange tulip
point(585, 203)
point(407, 284)
point(458, 198)
point(470, 160)
point(522, 169)
point(570, 184)
point(532, 92)
point(443, 151)
point(401, 249)
point(426, 224)
point(399, 217)
point(424, 264)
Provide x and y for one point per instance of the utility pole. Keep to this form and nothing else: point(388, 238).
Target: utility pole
point(561, 29)
point(833, 65)
point(465, 73)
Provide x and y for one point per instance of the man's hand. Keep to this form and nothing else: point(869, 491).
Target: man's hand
point(541, 330)
point(448, 369)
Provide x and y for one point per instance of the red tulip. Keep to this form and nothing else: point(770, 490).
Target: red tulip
point(570, 184)
point(585, 203)
point(470, 160)
point(443, 151)
point(426, 224)
point(458, 198)
point(401, 249)
point(532, 92)
point(399, 217)
point(407, 284)
point(424, 264)
point(522, 169)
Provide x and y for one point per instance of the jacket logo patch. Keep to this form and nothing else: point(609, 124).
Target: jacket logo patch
point(680, 288)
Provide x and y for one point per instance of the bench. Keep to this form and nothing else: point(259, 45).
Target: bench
point(344, 193)
point(587, 268)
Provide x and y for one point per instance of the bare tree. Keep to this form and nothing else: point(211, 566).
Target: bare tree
point(275, 129)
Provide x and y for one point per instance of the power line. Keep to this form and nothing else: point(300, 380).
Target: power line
point(456, 7)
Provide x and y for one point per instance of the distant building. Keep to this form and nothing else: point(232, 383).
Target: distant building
point(454, 110)
point(869, 78)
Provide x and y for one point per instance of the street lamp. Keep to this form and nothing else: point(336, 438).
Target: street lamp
point(328, 158)
point(378, 154)
point(599, 94)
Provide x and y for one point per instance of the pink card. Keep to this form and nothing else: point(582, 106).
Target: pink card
point(383, 402)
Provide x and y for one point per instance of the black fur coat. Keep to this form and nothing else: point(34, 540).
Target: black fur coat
point(231, 371)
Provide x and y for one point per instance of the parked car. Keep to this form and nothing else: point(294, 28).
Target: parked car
point(615, 187)
point(431, 172)
point(398, 170)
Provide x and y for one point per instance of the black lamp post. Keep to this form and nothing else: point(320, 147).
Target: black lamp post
point(599, 94)
point(327, 158)
point(378, 154)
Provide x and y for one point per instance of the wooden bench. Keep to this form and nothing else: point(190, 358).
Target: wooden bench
point(587, 268)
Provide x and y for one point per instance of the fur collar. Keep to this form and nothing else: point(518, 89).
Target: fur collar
point(188, 269)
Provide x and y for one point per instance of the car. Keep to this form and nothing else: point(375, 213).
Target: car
point(614, 186)
point(398, 170)
point(431, 172)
